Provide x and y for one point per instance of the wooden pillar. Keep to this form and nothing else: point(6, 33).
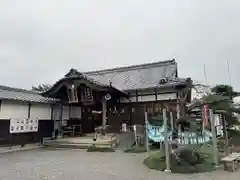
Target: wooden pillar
point(54, 121)
point(29, 110)
point(61, 120)
point(104, 114)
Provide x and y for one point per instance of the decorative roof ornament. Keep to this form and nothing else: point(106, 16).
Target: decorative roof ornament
point(107, 97)
point(163, 80)
point(73, 73)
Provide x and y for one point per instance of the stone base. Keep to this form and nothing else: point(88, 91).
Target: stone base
point(167, 170)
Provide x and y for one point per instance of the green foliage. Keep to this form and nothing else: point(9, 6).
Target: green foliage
point(224, 90)
point(41, 87)
point(189, 124)
point(135, 150)
point(100, 149)
point(233, 133)
point(198, 163)
point(234, 136)
point(186, 156)
point(155, 161)
point(221, 145)
point(231, 119)
point(221, 100)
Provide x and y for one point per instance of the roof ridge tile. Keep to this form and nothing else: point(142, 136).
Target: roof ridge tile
point(132, 67)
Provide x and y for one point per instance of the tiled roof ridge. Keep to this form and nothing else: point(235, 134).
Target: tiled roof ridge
point(132, 67)
point(8, 88)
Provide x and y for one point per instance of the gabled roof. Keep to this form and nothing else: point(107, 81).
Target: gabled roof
point(9, 93)
point(141, 76)
point(73, 74)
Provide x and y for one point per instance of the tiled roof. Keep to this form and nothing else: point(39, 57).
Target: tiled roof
point(9, 93)
point(139, 76)
point(73, 74)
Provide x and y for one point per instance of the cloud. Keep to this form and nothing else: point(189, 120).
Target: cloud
point(42, 40)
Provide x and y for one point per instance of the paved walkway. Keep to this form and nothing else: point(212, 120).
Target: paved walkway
point(19, 148)
point(79, 165)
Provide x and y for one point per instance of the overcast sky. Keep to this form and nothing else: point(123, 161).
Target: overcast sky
point(40, 40)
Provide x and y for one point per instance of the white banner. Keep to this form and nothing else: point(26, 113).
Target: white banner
point(23, 125)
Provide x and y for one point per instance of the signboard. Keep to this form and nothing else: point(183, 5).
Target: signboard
point(23, 125)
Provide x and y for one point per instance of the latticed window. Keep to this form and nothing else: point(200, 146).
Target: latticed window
point(72, 94)
point(87, 94)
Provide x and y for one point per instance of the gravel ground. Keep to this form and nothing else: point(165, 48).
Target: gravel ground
point(80, 165)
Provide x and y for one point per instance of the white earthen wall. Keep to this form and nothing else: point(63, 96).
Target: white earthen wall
point(13, 109)
point(19, 110)
point(40, 111)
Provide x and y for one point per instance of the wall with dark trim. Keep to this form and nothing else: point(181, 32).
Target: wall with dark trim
point(13, 109)
point(45, 129)
point(134, 113)
point(24, 110)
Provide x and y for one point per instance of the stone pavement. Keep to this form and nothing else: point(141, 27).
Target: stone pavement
point(19, 148)
point(80, 165)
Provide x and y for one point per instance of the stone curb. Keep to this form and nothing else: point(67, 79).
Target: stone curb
point(4, 150)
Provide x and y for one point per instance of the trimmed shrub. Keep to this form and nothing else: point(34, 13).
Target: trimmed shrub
point(186, 156)
point(187, 161)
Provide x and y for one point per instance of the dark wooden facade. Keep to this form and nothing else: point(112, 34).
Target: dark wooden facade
point(77, 90)
point(117, 112)
point(134, 113)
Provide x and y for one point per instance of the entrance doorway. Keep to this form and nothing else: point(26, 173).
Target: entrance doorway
point(97, 119)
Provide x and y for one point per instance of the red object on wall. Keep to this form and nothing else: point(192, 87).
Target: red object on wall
point(206, 115)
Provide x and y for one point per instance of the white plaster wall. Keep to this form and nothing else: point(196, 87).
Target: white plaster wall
point(13, 109)
point(75, 112)
point(19, 110)
point(40, 111)
point(126, 100)
point(148, 98)
point(65, 113)
point(56, 112)
point(169, 96)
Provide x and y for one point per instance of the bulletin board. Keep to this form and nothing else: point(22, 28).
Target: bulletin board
point(23, 125)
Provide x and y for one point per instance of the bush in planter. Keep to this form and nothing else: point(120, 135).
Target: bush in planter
point(186, 161)
point(185, 155)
